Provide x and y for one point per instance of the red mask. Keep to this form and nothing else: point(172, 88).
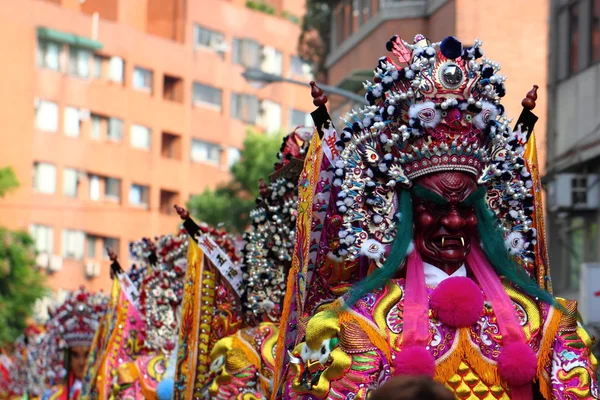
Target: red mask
point(443, 232)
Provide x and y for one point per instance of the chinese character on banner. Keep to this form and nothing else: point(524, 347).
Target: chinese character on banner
point(330, 138)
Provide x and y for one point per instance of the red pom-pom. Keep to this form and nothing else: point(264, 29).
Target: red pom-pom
point(414, 360)
point(458, 302)
point(517, 364)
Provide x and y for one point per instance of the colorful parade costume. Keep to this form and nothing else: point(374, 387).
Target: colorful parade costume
point(71, 326)
point(437, 239)
point(240, 364)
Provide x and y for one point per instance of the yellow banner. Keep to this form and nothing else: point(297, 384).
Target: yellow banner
point(187, 357)
point(541, 249)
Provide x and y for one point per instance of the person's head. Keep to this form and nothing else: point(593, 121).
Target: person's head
point(78, 359)
point(444, 225)
point(412, 388)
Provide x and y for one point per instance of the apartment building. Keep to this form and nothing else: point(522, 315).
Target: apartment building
point(573, 177)
point(114, 110)
point(514, 33)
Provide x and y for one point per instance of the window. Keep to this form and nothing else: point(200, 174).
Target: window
point(246, 52)
point(579, 191)
point(96, 126)
point(115, 129)
point(300, 68)
point(70, 182)
point(170, 146)
point(270, 116)
point(140, 137)
point(97, 66)
point(173, 88)
point(167, 200)
point(79, 62)
point(91, 242)
point(299, 118)
point(109, 243)
point(112, 189)
point(205, 152)
point(48, 54)
point(574, 38)
point(94, 187)
point(116, 68)
point(46, 116)
point(44, 178)
point(244, 107)
point(272, 61)
point(139, 195)
point(206, 38)
point(142, 79)
point(233, 156)
point(73, 244)
point(43, 236)
point(207, 95)
point(595, 42)
point(72, 122)
point(365, 11)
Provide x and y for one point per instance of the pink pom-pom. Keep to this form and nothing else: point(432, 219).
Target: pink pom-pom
point(414, 360)
point(517, 363)
point(458, 302)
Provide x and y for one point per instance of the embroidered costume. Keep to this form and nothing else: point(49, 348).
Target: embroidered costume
point(433, 235)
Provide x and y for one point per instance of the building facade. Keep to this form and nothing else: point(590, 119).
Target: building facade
point(114, 110)
point(514, 32)
point(574, 144)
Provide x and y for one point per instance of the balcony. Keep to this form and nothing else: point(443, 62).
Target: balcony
point(350, 26)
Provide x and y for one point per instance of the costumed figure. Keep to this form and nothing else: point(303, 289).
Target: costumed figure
point(69, 335)
point(25, 366)
point(241, 362)
point(435, 220)
point(140, 331)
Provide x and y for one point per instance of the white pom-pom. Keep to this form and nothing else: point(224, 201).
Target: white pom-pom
point(372, 249)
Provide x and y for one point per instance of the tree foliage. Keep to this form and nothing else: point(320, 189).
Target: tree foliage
point(315, 39)
point(20, 283)
point(231, 203)
point(8, 180)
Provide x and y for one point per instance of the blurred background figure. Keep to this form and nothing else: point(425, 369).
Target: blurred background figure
point(412, 388)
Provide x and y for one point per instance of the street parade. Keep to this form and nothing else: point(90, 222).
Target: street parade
point(405, 240)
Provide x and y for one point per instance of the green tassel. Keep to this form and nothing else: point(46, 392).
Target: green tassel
point(495, 250)
point(396, 257)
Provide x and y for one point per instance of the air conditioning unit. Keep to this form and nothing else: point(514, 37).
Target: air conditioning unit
point(42, 260)
point(220, 46)
point(55, 264)
point(81, 175)
point(92, 269)
point(574, 192)
point(589, 293)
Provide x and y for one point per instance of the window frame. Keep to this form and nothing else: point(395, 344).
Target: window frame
point(150, 76)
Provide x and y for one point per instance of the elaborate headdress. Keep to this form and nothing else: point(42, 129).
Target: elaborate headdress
point(71, 324)
point(440, 113)
point(270, 240)
point(164, 262)
point(75, 321)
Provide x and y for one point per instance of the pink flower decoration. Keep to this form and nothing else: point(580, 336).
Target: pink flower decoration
point(458, 302)
point(517, 364)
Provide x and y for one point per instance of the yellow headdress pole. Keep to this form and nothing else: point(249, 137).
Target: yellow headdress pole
point(527, 122)
point(196, 309)
point(299, 272)
point(100, 347)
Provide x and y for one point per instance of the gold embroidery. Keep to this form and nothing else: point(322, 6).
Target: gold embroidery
point(466, 384)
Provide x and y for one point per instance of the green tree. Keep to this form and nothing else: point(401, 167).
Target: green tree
point(20, 283)
point(231, 203)
point(8, 180)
